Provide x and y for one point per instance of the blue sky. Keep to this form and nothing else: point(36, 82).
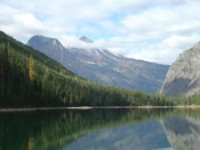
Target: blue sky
point(152, 30)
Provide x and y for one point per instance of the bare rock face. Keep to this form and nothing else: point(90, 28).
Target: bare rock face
point(183, 77)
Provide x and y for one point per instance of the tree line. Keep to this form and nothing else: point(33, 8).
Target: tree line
point(28, 78)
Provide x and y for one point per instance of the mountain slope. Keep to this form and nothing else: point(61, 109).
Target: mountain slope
point(28, 78)
point(102, 66)
point(183, 77)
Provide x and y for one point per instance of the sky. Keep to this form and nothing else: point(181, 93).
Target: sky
point(151, 30)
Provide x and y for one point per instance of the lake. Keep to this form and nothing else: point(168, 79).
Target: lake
point(101, 129)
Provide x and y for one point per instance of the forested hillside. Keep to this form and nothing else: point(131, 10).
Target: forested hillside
point(28, 78)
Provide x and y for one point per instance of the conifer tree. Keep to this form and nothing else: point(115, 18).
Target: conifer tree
point(31, 68)
point(2, 80)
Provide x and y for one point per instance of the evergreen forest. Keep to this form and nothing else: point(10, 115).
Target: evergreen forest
point(29, 78)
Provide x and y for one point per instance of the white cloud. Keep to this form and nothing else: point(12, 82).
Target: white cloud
point(156, 30)
point(165, 52)
point(73, 41)
point(19, 24)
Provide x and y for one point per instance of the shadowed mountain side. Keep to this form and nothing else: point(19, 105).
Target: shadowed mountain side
point(177, 87)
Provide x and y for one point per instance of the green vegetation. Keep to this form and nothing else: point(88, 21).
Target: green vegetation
point(186, 100)
point(29, 78)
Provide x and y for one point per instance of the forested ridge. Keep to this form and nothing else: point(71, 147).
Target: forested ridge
point(28, 78)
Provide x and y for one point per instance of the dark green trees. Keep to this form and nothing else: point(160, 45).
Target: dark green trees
point(4, 67)
point(29, 78)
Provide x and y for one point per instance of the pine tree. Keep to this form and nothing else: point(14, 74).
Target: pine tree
point(4, 66)
point(31, 68)
point(2, 80)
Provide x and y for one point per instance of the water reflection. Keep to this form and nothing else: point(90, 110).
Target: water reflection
point(101, 129)
point(142, 136)
point(183, 132)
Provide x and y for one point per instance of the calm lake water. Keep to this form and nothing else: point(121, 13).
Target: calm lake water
point(101, 129)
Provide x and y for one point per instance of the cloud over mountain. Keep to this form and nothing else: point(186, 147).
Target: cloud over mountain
point(132, 28)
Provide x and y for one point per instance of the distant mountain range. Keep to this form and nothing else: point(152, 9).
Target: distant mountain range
point(29, 78)
point(183, 77)
point(103, 66)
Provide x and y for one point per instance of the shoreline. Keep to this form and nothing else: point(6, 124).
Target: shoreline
point(97, 107)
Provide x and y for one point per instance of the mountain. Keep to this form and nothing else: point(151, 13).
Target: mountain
point(29, 78)
point(103, 66)
point(85, 39)
point(183, 77)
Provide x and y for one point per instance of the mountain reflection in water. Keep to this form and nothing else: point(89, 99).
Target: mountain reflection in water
point(145, 135)
point(101, 129)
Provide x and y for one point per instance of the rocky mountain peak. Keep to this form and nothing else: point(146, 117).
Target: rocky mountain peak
point(85, 39)
point(183, 77)
point(197, 46)
point(39, 40)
